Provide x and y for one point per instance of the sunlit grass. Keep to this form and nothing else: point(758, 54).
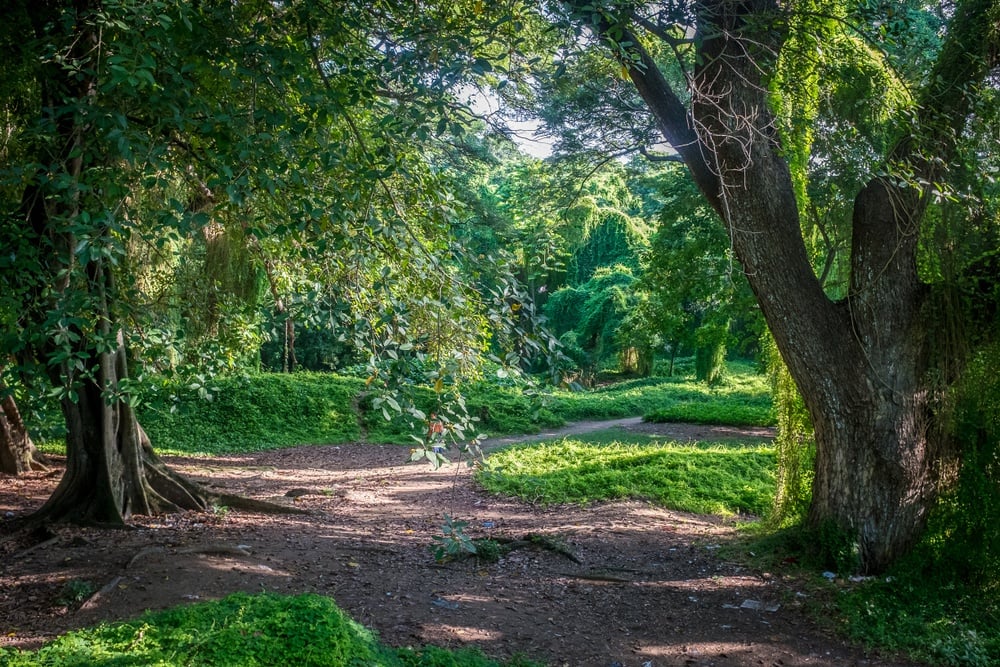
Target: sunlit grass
point(706, 478)
point(742, 398)
point(246, 630)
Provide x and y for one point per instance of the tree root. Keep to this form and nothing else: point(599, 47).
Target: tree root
point(92, 601)
point(216, 549)
point(254, 505)
point(546, 542)
point(595, 576)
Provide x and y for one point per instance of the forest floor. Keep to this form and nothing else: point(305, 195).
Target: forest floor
point(637, 586)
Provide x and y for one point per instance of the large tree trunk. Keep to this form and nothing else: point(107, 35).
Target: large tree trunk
point(861, 364)
point(111, 470)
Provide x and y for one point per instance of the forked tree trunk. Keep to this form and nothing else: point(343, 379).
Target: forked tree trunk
point(111, 469)
point(861, 364)
point(876, 475)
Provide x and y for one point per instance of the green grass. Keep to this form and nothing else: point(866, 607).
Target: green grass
point(742, 398)
point(273, 410)
point(705, 478)
point(246, 630)
point(255, 413)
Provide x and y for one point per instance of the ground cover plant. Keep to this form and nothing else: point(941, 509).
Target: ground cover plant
point(741, 397)
point(938, 605)
point(706, 478)
point(938, 619)
point(308, 630)
point(255, 412)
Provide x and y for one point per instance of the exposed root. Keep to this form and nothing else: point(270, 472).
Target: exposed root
point(546, 542)
point(142, 554)
point(92, 601)
point(216, 549)
point(254, 505)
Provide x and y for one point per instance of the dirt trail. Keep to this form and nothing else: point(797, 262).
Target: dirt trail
point(575, 428)
point(649, 589)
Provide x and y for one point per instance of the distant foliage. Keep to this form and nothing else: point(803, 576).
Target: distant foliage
point(614, 240)
point(588, 317)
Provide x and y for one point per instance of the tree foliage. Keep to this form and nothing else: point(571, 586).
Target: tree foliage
point(174, 166)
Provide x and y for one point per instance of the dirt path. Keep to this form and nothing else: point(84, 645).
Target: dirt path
point(576, 428)
point(649, 588)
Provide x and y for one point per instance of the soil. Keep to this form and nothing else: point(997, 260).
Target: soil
point(622, 584)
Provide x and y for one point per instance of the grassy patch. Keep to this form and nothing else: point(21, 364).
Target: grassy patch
point(254, 413)
point(742, 398)
point(274, 410)
point(241, 630)
point(705, 478)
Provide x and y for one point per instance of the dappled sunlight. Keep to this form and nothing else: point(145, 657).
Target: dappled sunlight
point(740, 586)
point(444, 633)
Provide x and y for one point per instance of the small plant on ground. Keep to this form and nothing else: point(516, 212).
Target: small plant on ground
point(453, 543)
point(488, 550)
point(75, 592)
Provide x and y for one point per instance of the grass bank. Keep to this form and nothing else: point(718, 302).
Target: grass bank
point(307, 630)
point(706, 478)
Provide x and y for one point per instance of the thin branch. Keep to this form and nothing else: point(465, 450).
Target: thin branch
point(660, 157)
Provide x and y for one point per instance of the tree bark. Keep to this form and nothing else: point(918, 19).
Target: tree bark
point(861, 364)
point(17, 452)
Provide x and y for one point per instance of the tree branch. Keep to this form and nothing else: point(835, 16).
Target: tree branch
point(660, 157)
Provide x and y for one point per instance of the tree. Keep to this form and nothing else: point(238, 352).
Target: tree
point(694, 290)
point(588, 316)
point(865, 363)
point(294, 128)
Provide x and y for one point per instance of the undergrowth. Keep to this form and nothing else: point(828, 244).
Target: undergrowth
point(246, 630)
point(741, 398)
point(253, 413)
point(257, 412)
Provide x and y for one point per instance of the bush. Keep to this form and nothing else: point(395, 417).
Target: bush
point(253, 413)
